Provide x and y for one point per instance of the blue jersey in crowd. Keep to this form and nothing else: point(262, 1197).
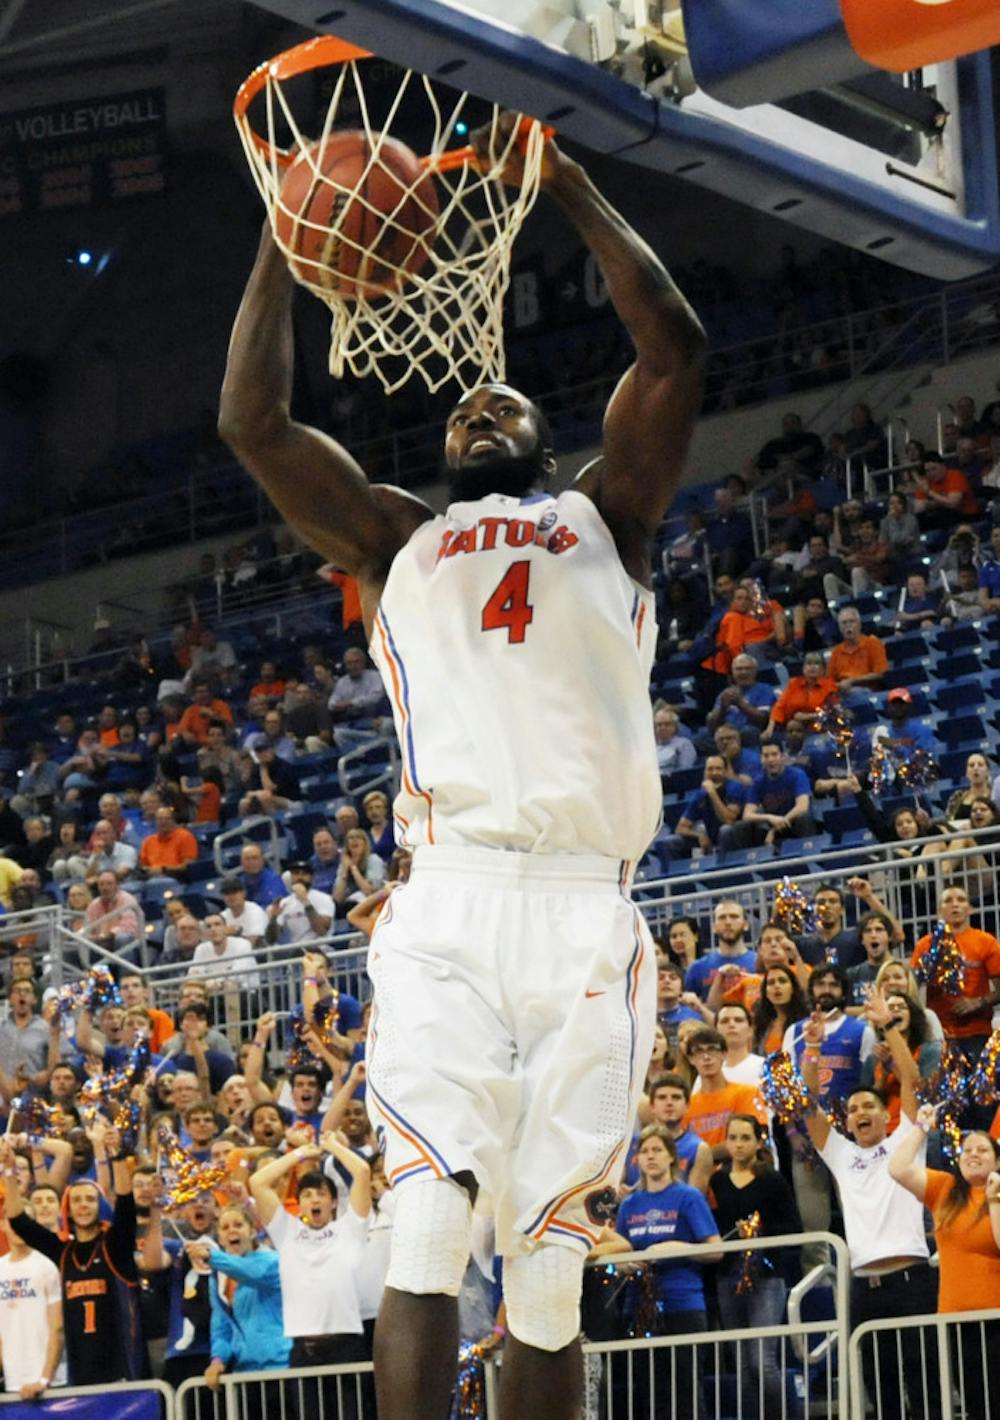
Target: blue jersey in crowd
point(677, 1213)
point(701, 973)
point(761, 696)
point(776, 794)
point(698, 808)
point(840, 1056)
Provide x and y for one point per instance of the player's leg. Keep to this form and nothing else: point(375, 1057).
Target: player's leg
point(542, 1371)
point(416, 1336)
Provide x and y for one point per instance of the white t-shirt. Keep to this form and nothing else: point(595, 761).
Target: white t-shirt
point(881, 1218)
point(234, 964)
point(293, 921)
point(375, 1261)
point(27, 1290)
point(252, 921)
point(319, 1273)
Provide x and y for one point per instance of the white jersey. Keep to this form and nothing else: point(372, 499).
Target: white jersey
point(516, 652)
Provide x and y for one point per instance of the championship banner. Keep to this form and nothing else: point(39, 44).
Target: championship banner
point(83, 152)
point(108, 1405)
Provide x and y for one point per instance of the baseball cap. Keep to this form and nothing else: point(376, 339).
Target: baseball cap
point(900, 693)
point(301, 864)
point(229, 885)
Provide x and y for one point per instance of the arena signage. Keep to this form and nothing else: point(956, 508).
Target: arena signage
point(83, 152)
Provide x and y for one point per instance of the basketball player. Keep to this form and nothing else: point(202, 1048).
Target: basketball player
point(514, 980)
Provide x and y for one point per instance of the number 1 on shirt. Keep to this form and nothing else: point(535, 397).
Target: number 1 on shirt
point(509, 607)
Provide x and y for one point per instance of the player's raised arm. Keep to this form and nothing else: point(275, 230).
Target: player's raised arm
point(649, 420)
point(315, 484)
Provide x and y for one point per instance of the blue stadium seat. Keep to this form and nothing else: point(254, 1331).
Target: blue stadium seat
point(965, 694)
point(843, 819)
point(804, 847)
point(904, 650)
point(956, 638)
point(954, 667)
point(910, 676)
point(683, 781)
point(962, 730)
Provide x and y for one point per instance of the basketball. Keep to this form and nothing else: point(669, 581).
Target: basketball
point(355, 227)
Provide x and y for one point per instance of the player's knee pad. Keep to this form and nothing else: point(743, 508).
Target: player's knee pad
point(431, 1232)
point(542, 1292)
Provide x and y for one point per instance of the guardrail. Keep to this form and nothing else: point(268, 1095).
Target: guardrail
point(954, 1375)
point(54, 1400)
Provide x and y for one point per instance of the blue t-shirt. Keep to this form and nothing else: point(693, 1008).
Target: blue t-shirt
point(698, 808)
point(909, 735)
point(747, 762)
point(989, 577)
point(777, 794)
point(671, 1021)
point(839, 1057)
point(701, 973)
point(190, 1320)
point(265, 888)
point(760, 695)
point(687, 1151)
point(677, 1213)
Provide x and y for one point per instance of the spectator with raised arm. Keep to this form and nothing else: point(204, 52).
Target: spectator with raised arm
point(966, 1014)
point(188, 1327)
point(305, 915)
point(891, 1275)
point(98, 1271)
point(319, 1257)
point(833, 940)
point(965, 1208)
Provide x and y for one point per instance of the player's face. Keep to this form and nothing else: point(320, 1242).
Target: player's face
point(316, 1207)
point(492, 444)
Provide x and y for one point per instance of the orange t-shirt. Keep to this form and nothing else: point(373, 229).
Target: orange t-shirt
point(208, 805)
point(866, 658)
point(177, 849)
point(350, 592)
point(268, 689)
point(162, 1028)
point(969, 1257)
point(799, 695)
point(196, 718)
point(980, 960)
point(738, 629)
point(954, 481)
point(109, 738)
point(708, 1113)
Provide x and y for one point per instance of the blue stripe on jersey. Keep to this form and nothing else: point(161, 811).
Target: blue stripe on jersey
point(394, 1114)
point(633, 1022)
point(411, 757)
point(559, 1197)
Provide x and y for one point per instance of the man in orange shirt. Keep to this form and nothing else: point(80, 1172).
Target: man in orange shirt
point(170, 849)
point(740, 630)
point(858, 661)
point(107, 726)
point(716, 1099)
point(271, 686)
point(943, 495)
point(193, 724)
point(802, 697)
point(966, 1017)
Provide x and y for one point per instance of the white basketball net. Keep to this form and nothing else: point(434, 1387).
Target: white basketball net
point(445, 321)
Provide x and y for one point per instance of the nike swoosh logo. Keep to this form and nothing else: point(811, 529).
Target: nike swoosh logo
point(589, 994)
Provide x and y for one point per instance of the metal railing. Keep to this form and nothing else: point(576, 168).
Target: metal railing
point(948, 1364)
point(51, 1402)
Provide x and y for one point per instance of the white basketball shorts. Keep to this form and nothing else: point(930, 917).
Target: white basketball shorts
point(515, 1001)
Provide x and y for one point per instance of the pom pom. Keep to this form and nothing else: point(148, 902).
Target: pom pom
point(108, 1089)
point(983, 1083)
point(792, 909)
point(941, 964)
point(185, 1179)
point(469, 1396)
point(326, 1016)
point(881, 769)
point(916, 770)
point(948, 1089)
point(783, 1089)
point(748, 1227)
point(39, 1119)
point(96, 990)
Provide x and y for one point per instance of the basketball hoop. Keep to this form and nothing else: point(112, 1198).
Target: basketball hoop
point(440, 315)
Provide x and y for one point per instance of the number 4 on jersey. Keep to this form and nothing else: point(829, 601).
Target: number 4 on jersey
point(509, 607)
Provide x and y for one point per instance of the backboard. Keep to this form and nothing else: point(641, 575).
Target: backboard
point(904, 167)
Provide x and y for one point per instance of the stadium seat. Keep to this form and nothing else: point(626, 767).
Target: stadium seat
point(910, 677)
point(962, 730)
point(843, 819)
point(804, 847)
point(904, 650)
point(962, 663)
point(956, 638)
